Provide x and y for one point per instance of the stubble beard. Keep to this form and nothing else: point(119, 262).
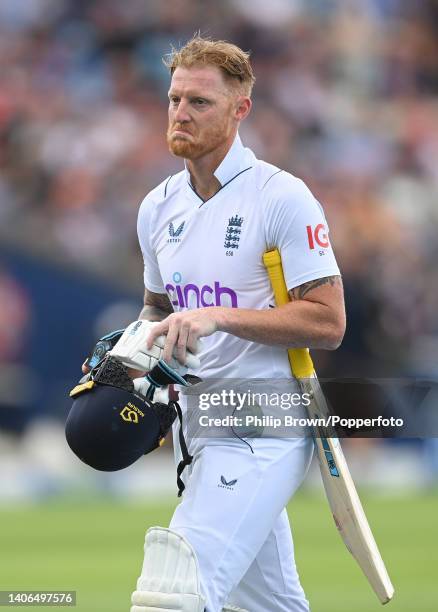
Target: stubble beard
point(181, 147)
point(211, 140)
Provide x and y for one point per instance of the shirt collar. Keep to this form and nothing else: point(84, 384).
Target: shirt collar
point(237, 159)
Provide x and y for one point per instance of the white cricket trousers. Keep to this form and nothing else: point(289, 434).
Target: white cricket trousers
point(233, 514)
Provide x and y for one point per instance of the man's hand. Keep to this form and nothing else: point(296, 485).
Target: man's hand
point(134, 352)
point(183, 330)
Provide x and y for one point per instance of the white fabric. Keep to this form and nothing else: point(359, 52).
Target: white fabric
point(194, 269)
point(233, 609)
point(132, 352)
point(272, 581)
point(169, 580)
point(240, 532)
point(210, 253)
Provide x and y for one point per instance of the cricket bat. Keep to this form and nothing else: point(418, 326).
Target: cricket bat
point(341, 493)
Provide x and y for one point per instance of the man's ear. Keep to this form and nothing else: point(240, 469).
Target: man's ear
point(243, 106)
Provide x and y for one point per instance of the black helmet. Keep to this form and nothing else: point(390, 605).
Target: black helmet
point(109, 425)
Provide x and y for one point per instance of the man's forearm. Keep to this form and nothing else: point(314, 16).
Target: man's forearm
point(316, 321)
point(156, 307)
point(152, 313)
point(294, 325)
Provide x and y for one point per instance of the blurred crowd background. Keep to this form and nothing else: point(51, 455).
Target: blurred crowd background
point(346, 98)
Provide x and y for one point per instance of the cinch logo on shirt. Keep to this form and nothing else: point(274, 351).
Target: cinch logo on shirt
point(193, 296)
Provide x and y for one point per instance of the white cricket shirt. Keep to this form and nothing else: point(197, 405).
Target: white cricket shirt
point(209, 253)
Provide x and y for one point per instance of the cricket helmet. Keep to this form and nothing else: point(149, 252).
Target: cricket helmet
point(109, 425)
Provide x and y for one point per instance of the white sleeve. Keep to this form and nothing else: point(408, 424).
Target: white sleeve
point(151, 274)
point(296, 225)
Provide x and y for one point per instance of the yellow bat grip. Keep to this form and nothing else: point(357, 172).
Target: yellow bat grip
point(299, 358)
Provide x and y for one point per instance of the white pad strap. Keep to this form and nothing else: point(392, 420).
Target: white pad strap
point(169, 580)
point(229, 608)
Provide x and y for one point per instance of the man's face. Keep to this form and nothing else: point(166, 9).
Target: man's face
point(202, 111)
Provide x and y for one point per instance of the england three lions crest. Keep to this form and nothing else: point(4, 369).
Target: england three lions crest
point(232, 234)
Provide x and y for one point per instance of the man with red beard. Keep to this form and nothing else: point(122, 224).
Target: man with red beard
point(203, 233)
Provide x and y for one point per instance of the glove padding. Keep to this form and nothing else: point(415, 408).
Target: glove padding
point(103, 345)
point(142, 386)
point(162, 376)
point(132, 352)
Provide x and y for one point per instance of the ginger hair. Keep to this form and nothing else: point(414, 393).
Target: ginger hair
point(199, 51)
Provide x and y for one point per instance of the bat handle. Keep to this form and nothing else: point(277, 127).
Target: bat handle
point(301, 362)
point(299, 358)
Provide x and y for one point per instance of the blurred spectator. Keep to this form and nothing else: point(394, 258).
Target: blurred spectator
point(346, 98)
point(15, 378)
point(14, 318)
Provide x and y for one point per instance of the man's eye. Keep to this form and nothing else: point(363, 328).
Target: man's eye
point(200, 102)
point(174, 100)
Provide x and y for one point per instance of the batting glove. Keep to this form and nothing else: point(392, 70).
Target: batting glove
point(132, 352)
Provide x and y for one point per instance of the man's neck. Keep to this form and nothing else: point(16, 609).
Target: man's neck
point(202, 171)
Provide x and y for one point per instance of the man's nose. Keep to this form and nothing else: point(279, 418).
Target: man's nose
point(181, 114)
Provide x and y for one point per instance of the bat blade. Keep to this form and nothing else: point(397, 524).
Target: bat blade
point(341, 493)
point(344, 501)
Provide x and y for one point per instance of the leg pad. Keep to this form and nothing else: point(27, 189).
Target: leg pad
point(169, 580)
